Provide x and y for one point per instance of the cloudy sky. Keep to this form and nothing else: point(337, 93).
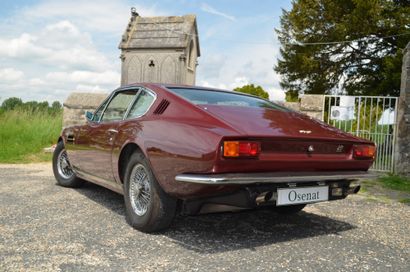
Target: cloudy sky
point(51, 48)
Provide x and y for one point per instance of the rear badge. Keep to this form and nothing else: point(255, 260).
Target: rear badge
point(305, 131)
point(311, 148)
point(339, 149)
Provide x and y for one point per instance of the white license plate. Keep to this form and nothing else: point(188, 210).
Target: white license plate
point(292, 196)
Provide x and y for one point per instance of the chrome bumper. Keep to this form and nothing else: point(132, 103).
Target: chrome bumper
point(273, 177)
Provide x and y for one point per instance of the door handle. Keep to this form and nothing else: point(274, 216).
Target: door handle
point(70, 138)
point(111, 131)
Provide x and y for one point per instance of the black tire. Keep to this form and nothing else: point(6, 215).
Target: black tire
point(159, 209)
point(289, 210)
point(66, 177)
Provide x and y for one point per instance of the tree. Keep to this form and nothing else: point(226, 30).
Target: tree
point(350, 46)
point(251, 89)
point(11, 103)
point(56, 105)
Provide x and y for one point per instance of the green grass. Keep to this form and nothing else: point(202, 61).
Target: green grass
point(405, 200)
point(397, 183)
point(24, 134)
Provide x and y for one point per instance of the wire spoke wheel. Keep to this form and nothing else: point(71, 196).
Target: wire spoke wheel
point(140, 190)
point(63, 165)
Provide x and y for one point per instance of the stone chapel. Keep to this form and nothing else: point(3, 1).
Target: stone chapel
point(159, 49)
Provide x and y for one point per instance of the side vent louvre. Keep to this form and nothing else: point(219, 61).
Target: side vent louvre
point(162, 107)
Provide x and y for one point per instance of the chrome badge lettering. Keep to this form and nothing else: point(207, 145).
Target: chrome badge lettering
point(339, 149)
point(305, 131)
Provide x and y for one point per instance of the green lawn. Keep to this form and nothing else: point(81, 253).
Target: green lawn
point(396, 183)
point(24, 134)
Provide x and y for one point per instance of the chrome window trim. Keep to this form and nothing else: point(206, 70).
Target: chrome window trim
point(108, 99)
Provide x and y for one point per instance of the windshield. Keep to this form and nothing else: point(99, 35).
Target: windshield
point(213, 97)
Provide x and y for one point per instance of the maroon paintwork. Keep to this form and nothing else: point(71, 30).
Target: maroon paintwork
point(187, 138)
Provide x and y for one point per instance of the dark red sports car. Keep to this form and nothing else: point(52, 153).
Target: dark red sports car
point(184, 149)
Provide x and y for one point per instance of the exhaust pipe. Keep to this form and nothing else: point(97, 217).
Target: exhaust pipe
point(353, 190)
point(264, 197)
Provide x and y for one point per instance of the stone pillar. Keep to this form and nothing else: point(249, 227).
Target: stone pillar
point(291, 105)
point(402, 147)
point(312, 105)
point(77, 104)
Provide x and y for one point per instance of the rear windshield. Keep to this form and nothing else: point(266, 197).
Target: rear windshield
point(212, 97)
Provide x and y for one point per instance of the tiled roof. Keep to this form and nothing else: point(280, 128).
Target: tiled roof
point(160, 32)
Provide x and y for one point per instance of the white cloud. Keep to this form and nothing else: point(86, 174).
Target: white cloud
point(10, 74)
point(85, 77)
point(91, 88)
point(276, 94)
point(207, 8)
point(96, 15)
point(36, 82)
point(245, 64)
point(21, 47)
point(61, 45)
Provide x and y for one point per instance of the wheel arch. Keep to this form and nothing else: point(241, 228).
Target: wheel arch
point(125, 155)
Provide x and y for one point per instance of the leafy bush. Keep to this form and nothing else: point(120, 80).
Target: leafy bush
point(253, 90)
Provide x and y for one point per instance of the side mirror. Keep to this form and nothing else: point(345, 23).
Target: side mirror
point(89, 116)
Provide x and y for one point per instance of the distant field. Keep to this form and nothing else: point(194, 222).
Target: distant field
point(24, 134)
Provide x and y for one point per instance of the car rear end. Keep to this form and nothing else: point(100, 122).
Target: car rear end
point(277, 157)
point(289, 171)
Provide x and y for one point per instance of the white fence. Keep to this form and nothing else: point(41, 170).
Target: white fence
point(369, 117)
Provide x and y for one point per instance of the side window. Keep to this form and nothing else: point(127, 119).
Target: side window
point(141, 105)
point(98, 113)
point(118, 106)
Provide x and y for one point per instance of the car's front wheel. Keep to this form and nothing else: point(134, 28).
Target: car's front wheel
point(62, 169)
point(148, 207)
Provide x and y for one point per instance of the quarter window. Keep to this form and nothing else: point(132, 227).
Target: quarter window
point(141, 105)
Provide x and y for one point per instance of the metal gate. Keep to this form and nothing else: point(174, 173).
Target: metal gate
point(370, 117)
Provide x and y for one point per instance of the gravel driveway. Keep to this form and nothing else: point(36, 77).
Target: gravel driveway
point(47, 227)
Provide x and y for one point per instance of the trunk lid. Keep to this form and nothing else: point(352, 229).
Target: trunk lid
point(289, 141)
point(261, 122)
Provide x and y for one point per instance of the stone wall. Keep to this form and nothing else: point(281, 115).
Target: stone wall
point(402, 158)
point(310, 104)
point(77, 104)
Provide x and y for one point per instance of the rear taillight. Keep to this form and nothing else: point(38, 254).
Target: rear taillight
point(364, 152)
point(235, 149)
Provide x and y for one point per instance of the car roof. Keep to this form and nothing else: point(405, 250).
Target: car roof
point(181, 86)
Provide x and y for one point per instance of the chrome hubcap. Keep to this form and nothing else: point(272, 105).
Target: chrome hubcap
point(140, 190)
point(63, 165)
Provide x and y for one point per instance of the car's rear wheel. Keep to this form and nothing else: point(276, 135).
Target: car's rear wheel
point(62, 169)
point(288, 210)
point(148, 207)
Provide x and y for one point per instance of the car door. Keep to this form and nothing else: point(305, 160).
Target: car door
point(94, 142)
point(131, 127)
